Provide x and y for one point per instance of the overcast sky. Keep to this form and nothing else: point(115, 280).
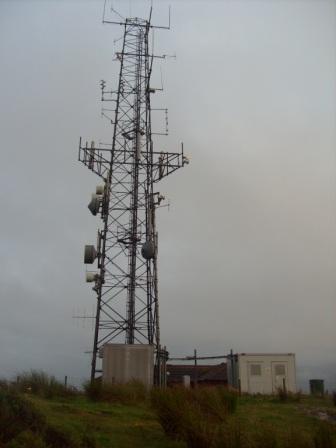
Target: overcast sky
point(247, 250)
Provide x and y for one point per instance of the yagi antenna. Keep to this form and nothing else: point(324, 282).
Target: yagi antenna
point(104, 11)
point(117, 40)
point(161, 79)
point(116, 12)
point(112, 9)
point(144, 25)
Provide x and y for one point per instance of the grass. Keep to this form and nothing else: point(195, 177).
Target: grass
point(110, 424)
point(259, 421)
point(40, 413)
point(193, 415)
point(293, 422)
point(132, 392)
point(24, 425)
point(124, 417)
point(38, 383)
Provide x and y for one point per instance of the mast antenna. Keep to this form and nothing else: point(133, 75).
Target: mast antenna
point(125, 280)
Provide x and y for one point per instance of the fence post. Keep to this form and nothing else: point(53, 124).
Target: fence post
point(195, 369)
point(284, 385)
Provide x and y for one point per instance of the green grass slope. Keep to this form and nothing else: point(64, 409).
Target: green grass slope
point(111, 425)
point(36, 411)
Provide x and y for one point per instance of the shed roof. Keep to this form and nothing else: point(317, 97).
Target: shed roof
point(203, 372)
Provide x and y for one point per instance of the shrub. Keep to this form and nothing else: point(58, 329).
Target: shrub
point(334, 397)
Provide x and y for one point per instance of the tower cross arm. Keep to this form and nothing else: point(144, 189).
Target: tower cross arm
point(97, 159)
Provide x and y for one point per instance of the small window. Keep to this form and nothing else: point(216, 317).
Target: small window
point(280, 369)
point(255, 369)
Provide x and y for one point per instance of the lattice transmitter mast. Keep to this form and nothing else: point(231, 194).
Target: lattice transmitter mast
point(126, 281)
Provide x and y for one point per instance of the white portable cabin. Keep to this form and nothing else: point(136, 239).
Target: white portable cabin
point(262, 373)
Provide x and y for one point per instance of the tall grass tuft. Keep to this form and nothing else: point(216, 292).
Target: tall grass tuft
point(130, 393)
point(229, 398)
point(193, 415)
point(170, 407)
point(284, 396)
point(17, 415)
point(204, 418)
point(23, 426)
point(232, 435)
point(27, 439)
point(324, 437)
point(266, 438)
point(298, 439)
point(40, 383)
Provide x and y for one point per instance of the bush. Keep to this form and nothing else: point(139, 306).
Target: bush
point(334, 397)
point(132, 392)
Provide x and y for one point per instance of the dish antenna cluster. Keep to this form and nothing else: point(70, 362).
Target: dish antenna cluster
point(126, 277)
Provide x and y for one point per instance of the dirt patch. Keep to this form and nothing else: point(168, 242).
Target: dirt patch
point(321, 414)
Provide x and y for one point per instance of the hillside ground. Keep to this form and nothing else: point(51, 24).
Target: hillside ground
point(120, 425)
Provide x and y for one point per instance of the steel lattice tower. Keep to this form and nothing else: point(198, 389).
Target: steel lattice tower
point(126, 282)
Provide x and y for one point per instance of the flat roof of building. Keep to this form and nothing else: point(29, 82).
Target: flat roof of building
point(265, 354)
